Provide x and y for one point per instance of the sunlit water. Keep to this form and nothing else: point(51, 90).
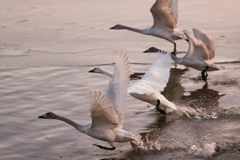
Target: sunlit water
point(41, 73)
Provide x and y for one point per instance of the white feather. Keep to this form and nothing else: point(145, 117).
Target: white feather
point(156, 77)
point(201, 50)
point(152, 83)
point(107, 111)
point(165, 18)
point(117, 88)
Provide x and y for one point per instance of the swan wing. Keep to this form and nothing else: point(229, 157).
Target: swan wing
point(156, 77)
point(173, 9)
point(117, 88)
point(207, 40)
point(102, 111)
point(161, 16)
point(197, 50)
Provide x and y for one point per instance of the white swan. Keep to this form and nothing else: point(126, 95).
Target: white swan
point(149, 88)
point(201, 50)
point(107, 112)
point(165, 17)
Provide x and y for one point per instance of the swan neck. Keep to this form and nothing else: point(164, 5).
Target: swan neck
point(81, 128)
point(107, 73)
point(134, 29)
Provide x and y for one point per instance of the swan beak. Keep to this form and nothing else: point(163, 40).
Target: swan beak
point(145, 51)
point(152, 50)
point(93, 70)
point(42, 116)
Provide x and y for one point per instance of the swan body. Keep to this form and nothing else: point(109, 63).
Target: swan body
point(107, 111)
point(165, 17)
point(154, 81)
point(201, 51)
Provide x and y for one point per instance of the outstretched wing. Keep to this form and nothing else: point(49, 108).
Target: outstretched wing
point(102, 111)
point(173, 9)
point(117, 87)
point(161, 16)
point(197, 49)
point(156, 77)
point(207, 40)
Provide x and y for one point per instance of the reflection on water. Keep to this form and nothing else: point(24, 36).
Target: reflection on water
point(174, 89)
point(203, 98)
point(28, 92)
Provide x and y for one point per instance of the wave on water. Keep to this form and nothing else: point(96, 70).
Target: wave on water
point(12, 53)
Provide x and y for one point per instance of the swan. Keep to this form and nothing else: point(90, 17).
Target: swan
point(154, 80)
point(201, 51)
point(107, 111)
point(165, 17)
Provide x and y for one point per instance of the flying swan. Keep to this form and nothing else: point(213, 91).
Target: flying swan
point(201, 51)
point(107, 111)
point(149, 88)
point(165, 17)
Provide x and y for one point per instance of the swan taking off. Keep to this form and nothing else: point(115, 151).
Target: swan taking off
point(107, 112)
point(201, 51)
point(149, 88)
point(165, 17)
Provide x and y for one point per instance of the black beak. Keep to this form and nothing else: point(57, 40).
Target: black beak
point(40, 117)
point(91, 71)
point(145, 51)
point(112, 27)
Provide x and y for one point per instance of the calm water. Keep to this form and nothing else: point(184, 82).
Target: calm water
point(44, 67)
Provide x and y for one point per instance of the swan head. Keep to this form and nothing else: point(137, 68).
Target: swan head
point(48, 115)
point(97, 70)
point(118, 26)
point(151, 49)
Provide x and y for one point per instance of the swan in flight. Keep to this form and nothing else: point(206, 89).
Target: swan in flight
point(201, 51)
point(165, 17)
point(107, 111)
point(149, 88)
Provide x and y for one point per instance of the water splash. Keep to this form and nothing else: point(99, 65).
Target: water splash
point(150, 141)
point(207, 151)
point(198, 113)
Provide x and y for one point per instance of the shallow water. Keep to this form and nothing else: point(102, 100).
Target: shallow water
point(47, 49)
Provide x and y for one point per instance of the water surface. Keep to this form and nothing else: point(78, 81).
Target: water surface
point(48, 47)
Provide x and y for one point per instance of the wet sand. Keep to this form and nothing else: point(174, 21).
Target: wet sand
point(48, 47)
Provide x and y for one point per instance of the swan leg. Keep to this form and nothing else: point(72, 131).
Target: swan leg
point(174, 49)
point(159, 109)
point(205, 74)
point(174, 52)
point(102, 147)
